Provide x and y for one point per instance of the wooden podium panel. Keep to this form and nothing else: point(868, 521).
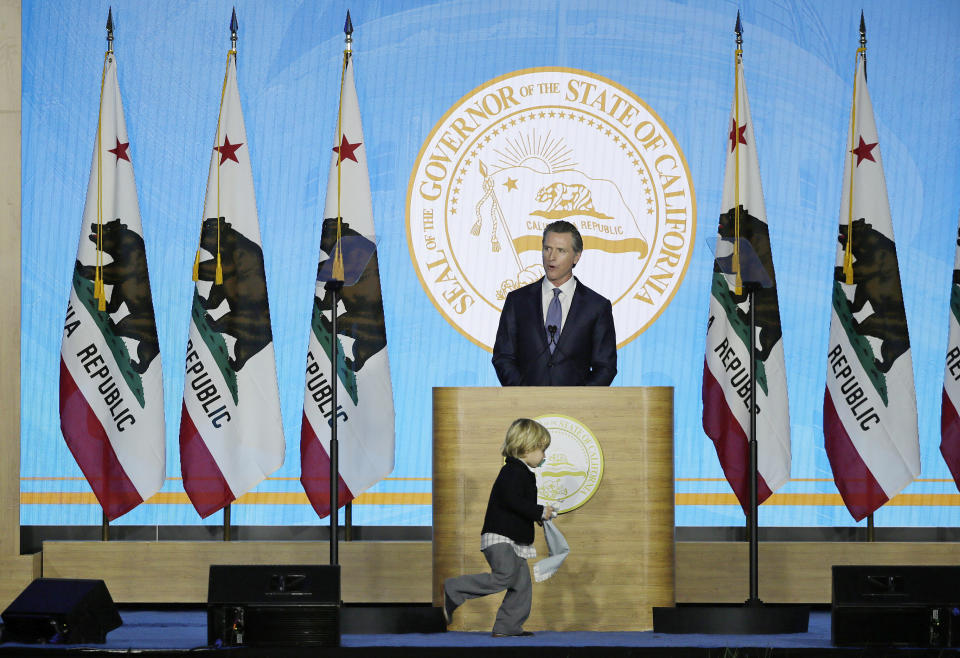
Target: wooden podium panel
point(621, 561)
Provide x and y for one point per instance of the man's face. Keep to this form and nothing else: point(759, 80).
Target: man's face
point(559, 257)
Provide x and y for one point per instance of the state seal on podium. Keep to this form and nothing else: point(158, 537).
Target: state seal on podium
point(573, 468)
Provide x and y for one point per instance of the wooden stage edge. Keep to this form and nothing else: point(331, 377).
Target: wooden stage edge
point(381, 572)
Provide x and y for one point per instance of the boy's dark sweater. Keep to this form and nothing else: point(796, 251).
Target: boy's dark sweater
point(512, 508)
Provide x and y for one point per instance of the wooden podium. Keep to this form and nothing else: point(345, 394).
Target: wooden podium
point(621, 561)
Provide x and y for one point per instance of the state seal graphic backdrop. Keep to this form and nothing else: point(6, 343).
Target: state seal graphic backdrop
point(529, 148)
point(428, 71)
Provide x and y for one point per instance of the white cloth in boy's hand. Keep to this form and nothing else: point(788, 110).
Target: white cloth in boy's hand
point(557, 547)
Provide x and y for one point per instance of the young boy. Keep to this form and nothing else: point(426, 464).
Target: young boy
point(507, 536)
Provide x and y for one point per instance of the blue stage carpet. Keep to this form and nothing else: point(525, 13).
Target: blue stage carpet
point(175, 633)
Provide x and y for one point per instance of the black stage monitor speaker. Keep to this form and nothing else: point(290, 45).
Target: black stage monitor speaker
point(274, 605)
point(915, 606)
point(62, 611)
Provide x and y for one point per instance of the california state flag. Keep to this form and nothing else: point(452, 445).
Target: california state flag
point(743, 246)
point(870, 407)
point(111, 389)
point(949, 417)
point(364, 395)
point(231, 435)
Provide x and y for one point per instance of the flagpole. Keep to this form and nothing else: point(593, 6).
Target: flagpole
point(218, 278)
point(334, 286)
point(751, 286)
point(863, 53)
point(104, 521)
point(738, 60)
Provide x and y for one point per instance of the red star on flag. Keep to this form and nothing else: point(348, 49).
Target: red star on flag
point(120, 150)
point(228, 151)
point(346, 149)
point(737, 134)
point(863, 151)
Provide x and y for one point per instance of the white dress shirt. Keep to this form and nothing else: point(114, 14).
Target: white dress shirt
point(566, 296)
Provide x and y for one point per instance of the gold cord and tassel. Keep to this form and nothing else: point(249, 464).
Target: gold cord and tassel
point(218, 274)
point(338, 267)
point(99, 292)
point(848, 249)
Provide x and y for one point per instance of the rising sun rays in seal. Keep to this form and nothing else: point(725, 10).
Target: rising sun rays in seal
point(542, 153)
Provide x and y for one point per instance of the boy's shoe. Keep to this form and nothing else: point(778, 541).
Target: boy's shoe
point(520, 634)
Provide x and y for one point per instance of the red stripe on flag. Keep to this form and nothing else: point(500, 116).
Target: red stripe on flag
point(91, 447)
point(950, 437)
point(861, 492)
point(730, 440)
point(315, 472)
point(202, 479)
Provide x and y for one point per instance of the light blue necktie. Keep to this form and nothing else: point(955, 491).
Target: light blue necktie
point(554, 317)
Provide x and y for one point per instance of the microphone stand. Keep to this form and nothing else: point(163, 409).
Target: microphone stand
point(553, 330)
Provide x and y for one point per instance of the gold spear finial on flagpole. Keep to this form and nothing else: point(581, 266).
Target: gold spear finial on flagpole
point(110, 30)
point(234, 26)
point(348, 31)
point(738, 58)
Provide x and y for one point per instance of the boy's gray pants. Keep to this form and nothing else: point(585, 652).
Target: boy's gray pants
point(508, 572)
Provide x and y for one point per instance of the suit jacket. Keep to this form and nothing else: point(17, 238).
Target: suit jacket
point(586, 351)
point(512, 508)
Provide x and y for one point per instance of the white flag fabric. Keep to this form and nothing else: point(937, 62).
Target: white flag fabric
point(558, 550)
point(231, 434)
point(111, 389)
point(950, 406)
point(870, 406)
point(726, 372)
point(364, 395)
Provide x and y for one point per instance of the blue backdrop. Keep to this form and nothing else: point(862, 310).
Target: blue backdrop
point(414, 60)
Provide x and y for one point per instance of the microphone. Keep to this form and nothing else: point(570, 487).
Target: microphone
point(552, 330)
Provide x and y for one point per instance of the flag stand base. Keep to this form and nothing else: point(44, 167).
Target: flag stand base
point(732, 619)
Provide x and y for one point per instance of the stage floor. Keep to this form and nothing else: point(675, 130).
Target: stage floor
point(172, 633)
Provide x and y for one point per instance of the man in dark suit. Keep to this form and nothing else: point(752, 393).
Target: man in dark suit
point(556, 331)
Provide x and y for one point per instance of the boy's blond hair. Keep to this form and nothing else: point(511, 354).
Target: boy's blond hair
point(523, 437)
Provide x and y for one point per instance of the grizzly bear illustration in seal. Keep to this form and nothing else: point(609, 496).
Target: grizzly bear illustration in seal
point(244, 288)
point(877, 280)
point(767, 311)
point(363, 318)
point(566, 196)
point(127, 273)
